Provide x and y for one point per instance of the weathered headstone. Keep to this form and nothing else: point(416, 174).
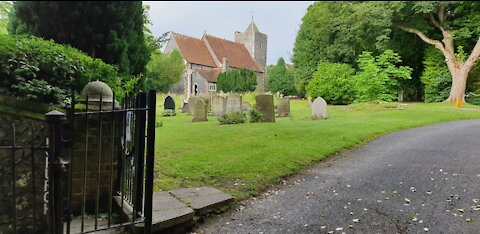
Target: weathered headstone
point(283, 108)
point(246, 106)
point(319, 109)
point(218, 105)
point(264, 104)
point(200, 112)
point(233, 103)
point(169, 103)
point(192, 101)
point(185, 108)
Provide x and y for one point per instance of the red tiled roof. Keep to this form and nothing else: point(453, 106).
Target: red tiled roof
point(194, 50)
point(210, 76)
point(236, 53)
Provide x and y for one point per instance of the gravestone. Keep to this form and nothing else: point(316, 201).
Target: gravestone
point(169, 103)
point(218, 105)
point(200, 112)
point(207, 101)
point(191, 104)
point(319, 109)
point(185, 108)
point(233, 103)
point(264, 104)
point(283, 108)
point(246, 106)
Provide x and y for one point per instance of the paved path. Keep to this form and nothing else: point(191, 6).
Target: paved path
point(420, 180)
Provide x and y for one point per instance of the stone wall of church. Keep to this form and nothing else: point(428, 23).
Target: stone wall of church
point(202, 87)
point(260, 46)
point(256, 44)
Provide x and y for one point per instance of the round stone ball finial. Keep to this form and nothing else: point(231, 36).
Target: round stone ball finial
point(95, 89)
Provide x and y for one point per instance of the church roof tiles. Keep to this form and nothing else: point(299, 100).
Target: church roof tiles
point(194, 50)
point(210, 76)
point(236, 53)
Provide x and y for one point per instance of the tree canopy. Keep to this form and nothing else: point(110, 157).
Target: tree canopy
point(341, 31)
point(5, 9)
point(164, 70)
point(280, 79)
point(112, 31)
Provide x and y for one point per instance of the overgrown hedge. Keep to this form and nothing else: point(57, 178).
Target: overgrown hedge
point(35, 69)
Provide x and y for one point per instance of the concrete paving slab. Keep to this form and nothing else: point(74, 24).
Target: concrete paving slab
point(167, 212)
point(202, 199)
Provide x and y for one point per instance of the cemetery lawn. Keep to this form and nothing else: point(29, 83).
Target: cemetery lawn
point(244, 159)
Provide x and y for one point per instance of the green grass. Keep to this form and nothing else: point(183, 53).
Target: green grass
point(254, 156)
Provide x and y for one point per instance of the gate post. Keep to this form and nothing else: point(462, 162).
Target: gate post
point(150, 161)
point(54, 120)
point(140, 151)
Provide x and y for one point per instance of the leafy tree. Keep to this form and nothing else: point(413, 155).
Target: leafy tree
point(164, 70)
point(333, 82)
point(280, 79)
point(237, 80)
point(301, 76)
point(437, 78)
point(339, 32)
point(441, 24)
point(378, 78)
point(5, 10)
point(112, 31)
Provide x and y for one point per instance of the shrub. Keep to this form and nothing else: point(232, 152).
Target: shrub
point(237, 80)
point(35, 69)
point(378, 76)
point(255, 116)
point(169, 112)
point(232, 118)
point(333, 82)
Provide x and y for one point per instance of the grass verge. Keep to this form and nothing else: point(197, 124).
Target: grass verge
point(246, 158)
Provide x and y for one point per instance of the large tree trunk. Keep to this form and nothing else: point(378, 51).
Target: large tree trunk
point(459, 85)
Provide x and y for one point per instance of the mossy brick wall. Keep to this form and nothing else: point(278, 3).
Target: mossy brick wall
point(104, 147)
point(29, 170)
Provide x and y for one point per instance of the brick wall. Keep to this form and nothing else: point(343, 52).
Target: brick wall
point(104, 147)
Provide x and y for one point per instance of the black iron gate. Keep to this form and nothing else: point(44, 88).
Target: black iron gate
point(101, 165)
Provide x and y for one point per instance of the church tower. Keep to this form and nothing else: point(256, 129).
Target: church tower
point(255, 42)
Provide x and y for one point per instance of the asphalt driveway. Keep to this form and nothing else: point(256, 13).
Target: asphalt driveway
point(419, 180)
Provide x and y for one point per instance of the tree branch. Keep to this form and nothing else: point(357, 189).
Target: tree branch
point(441, 15)
point(472, 59)
point(447, 35)
point(436, 43)
point(436, 23)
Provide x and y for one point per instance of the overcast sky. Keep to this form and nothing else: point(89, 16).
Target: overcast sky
point(279, 20)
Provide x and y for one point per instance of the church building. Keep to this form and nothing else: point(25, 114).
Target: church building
point(207, 57)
